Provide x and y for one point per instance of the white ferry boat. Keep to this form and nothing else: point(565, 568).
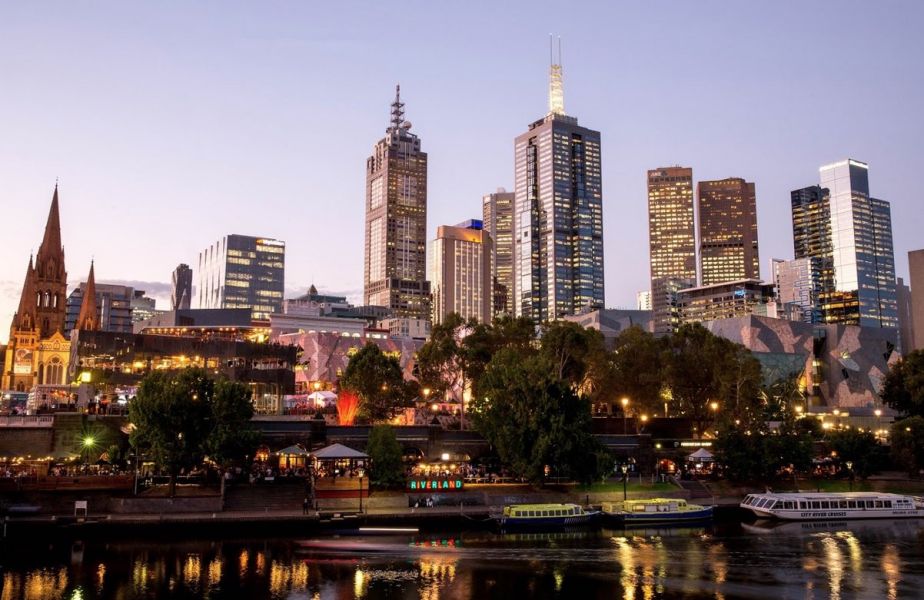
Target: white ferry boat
point(810, 506)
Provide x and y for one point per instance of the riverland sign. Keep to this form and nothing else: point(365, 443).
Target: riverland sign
point(435, 484)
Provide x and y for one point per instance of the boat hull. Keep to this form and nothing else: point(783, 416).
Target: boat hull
point(548, 522)
point(703, 514)
point(828, 514)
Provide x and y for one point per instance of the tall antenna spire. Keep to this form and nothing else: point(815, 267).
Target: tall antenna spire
point(556, 87)
point(397, 109)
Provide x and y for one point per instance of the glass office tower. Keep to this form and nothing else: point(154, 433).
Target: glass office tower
point(240, 271)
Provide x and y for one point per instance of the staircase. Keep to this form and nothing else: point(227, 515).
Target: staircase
point(696, 488)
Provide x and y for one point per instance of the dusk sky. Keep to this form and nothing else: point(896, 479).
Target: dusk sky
point(171, 124)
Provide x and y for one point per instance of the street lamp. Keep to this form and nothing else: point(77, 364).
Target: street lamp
point(625, 406)
point(878, 413)
point(88, 442)
point(850, 473)
point(625, 480)
point(837, 416)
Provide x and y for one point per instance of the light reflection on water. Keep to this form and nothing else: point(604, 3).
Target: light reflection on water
point(796, 560)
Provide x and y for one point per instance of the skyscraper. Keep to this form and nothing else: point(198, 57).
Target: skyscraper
point(916, 280)
point(850, 233)
point(797, 284)
point(558, 214)
point(727, 231)
point(181, 290)
point(460, 272)
point(672, 243)
point(396, 221)
point(497, 214)
point(240, 271)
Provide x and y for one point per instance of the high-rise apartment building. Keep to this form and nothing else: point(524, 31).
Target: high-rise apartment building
point(181, 289)
point(240, 271)
point(727, 220)
point(797, 284)
point(460, 272)
point(395, 261)
point(497, 214)
point(916, 280)
point(558, 215)
point(850, 233)
point(643, 300)
point(672, 242)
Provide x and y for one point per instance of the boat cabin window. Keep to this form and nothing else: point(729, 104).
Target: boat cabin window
point(887, 503)
point(878, 503)
point(843, 504)
point(851, 504)
point(788, 504)
point(816, 504)
point(825, 504)
point(869, 504)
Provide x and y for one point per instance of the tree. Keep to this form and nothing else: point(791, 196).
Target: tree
point(637, 369)
point(903, 386)
point(536, 420)
point(387, 457)
point(485, 340)
point(378, 381)
point(578, 356)
point(172, 418)
point(759, 457)
point(441, 360)
point(232, 437)
point(859, 447)
point(907, 438)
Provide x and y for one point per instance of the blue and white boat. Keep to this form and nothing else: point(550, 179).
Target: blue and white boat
point(656, 510)
point(545, 515)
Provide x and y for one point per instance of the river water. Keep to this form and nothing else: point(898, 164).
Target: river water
point(860, 559)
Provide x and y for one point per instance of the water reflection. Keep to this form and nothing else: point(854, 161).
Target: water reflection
point(874, 560)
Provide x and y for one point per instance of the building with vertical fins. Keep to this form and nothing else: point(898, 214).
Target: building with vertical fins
point(181, 289)
point(497, 215)
point(849, 233)
point(38, 352)
point(241, 271)
point(558, 214)
point(395, 260)
point(460, 274)
point(672, 242)
point(727, 222)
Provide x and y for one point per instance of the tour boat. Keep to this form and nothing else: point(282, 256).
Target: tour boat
point(545, 515)
point(656, 510)
point(811, 506)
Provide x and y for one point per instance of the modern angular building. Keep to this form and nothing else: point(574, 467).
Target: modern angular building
point(727, 222)
point(558, 242)
point(181, 290)
point(460, 273)
point(850, 234)
point(240, 271)
point(726, 300)
point(395, 261)
point(671, 239)
point(110, 305)
point(497, 215)
point(797, 284)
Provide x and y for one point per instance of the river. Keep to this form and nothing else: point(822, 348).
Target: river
point(860, 559)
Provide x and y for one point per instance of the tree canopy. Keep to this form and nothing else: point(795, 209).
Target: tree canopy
point(378, 381)
point(179, 417)
point(907, 438)
point(387, 457)
point(903, 386)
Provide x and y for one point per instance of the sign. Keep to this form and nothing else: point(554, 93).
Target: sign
point(435, 484)
point(22, 362)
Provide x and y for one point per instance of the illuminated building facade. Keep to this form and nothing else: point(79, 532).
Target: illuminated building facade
point(497, 215)
point(111, 303)
point(558, 215)
point(240, 271)
point(727, 210)
point(797, 284)
point(395, 260)
point(37, 350)
point(726, 300)
point(850, 233)
point(672, 242)
point(460, 274)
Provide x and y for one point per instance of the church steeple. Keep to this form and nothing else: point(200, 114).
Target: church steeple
point(24, 319)
point(50, 276)
point(88, 319)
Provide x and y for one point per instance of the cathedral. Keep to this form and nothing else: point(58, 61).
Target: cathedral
point(38, 352)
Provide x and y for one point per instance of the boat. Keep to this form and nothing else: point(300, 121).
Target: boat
point(656, 510)
point(813, 506)
point(545, 515)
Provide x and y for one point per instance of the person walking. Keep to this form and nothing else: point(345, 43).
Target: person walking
point(305, 506)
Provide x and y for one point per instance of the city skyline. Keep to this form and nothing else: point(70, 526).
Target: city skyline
point(148, 160)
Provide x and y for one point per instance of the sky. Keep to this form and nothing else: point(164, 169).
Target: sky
point(169, 124)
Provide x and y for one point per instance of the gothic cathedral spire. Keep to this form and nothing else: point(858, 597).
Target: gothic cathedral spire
point(88, 319)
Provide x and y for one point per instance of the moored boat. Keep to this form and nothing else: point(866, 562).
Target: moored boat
point(545, 515)
point(656, 510)
point(810, 506)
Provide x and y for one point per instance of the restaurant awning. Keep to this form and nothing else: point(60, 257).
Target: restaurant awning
point(701, 454)
point(338, 451)
point(295, 450)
